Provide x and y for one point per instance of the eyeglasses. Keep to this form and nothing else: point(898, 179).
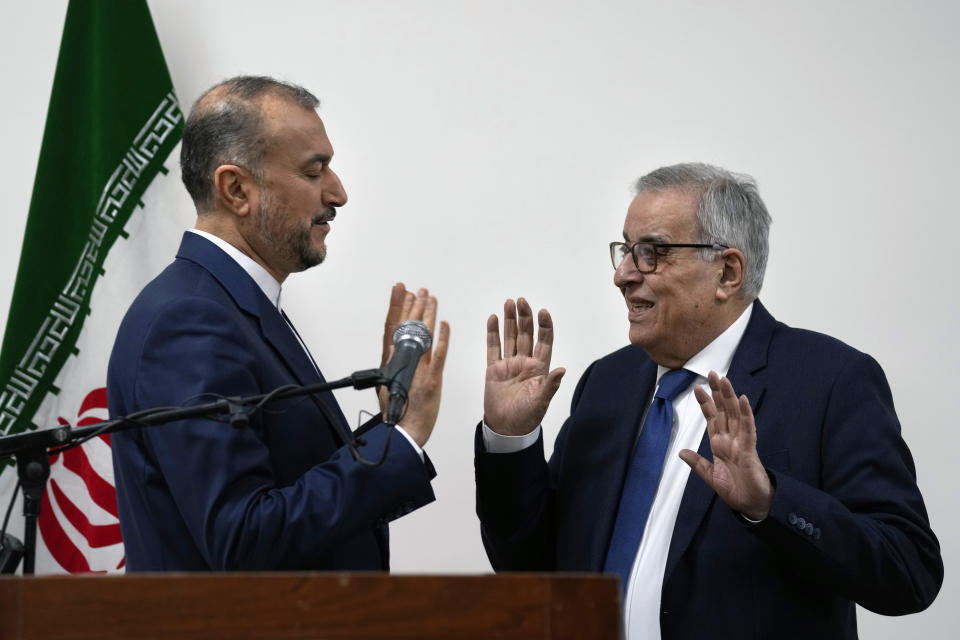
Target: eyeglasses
point(645, 254)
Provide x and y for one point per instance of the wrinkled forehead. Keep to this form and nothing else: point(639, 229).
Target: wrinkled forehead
point(663, 215)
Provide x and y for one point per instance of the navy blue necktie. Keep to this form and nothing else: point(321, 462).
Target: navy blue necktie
point(643, 475)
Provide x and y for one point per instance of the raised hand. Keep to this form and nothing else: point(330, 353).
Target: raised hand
point(423, 398)
point(519, 384)
point(737, 475)
point(401, 301)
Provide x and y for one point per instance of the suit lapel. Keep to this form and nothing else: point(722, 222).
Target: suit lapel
point(616, 451)
point(748, 360)
point(283, 338)
point(250, 298)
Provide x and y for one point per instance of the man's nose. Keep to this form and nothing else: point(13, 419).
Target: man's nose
point(626, 272)
point(334, 195)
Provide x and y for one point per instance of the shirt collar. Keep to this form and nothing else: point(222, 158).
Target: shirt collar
point(717, 355)
point(267, 283)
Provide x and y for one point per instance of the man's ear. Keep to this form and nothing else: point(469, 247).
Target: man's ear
point(235, 189)
point(731, 278)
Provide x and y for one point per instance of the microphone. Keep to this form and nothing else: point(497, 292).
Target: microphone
point(410, 341)
point(11, 552)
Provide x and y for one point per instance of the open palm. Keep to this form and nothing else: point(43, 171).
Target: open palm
point(736, 474)
point(519, 384)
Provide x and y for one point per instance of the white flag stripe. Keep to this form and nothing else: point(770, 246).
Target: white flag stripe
point(153, 234)
point(98, 453)
point(100, 559)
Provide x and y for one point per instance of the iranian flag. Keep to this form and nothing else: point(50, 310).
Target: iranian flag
point(106, 215)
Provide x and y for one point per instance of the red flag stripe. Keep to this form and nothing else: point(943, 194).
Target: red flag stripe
point(101, 491)
point(98, 535)
point(58, 543)
point(96, 399)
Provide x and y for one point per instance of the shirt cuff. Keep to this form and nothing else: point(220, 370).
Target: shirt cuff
point(494, 442)
point(413, 443)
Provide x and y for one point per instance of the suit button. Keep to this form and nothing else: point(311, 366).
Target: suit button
point(809, 529)
point(801, 523)
point(816, 533)
point(792, 518)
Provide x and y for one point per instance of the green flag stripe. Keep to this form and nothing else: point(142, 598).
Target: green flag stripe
point(112, 122)
point(45, 355)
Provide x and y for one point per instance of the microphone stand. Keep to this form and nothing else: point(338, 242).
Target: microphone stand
point(32, 449)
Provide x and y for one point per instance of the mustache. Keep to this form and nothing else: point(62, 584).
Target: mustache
point(326, 215)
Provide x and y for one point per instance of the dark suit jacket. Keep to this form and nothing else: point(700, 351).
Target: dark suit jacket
point(281, 493)
point(847, 523)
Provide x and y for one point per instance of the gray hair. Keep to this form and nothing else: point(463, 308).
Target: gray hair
point(730, 212)
point(225, 126)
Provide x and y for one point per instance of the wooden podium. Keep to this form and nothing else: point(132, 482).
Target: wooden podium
point(309, 605)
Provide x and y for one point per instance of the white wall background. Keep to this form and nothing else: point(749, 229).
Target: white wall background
point(488, 150)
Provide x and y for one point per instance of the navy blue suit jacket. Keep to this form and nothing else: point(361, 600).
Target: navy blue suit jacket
point(280, 493)
point(847, 524)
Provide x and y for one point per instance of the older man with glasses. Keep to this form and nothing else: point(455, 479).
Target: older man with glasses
point(803, 499)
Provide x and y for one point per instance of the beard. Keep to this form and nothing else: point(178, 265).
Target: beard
point(290, 242)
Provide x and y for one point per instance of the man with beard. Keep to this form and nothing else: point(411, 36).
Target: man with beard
point(283, 489)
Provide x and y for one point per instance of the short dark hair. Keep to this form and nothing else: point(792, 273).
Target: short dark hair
point(225, 126)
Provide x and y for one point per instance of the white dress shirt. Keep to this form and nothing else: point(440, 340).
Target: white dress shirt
point(642, 601)
point(271, 288)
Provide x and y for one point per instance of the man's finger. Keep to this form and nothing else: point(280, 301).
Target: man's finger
point(524, 328)
point(430, 313)
point(718, 423)
point(713, 379)
point(493, 339)
point(419, 303)
point(709, 410)
point(439, 357)
point(429, 318)
point(707, 407)
point(700, 465)
point(408, 300)
point(509, 329)
point(543, 351)
point(731, 405)
point(748, 429)
point(552, 382)
point(394, 314)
